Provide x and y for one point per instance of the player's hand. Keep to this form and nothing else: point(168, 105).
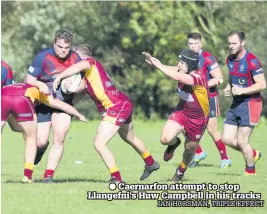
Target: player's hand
point(82, 118)
point(43, 88)
point(237, 90)
point(56, 84)
point(227, 91)
point(151, 60)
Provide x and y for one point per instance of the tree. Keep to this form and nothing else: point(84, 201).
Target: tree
point(119, 31)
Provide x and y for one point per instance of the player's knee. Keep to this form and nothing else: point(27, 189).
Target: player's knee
point(126, 137)
point(16, 129)
point(29, 133)
point(59, 137)
point(59, 140)
point(190, 147)
point(211, 130)
point(165, 139)
point(242, 141)
point(30, 138)
point(98, 146)
point(41, 142)
point(228, 139)
point(242, 145)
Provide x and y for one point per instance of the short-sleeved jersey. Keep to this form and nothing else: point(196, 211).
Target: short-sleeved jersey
point(46, 66)
point(6, 74)
point(100, 87)
point(207, 63)
point(26, 90)
point(194, 100)
point(241, 73)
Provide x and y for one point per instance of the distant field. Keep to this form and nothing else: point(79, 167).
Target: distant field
point(69, 194)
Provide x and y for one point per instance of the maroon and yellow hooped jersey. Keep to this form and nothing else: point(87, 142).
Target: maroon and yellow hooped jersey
point(194, 100)
point(23, 89)
point(100, 87)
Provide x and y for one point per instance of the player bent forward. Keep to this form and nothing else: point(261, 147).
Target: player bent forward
point(20, 100)
point(191, 115)
point(117, 108)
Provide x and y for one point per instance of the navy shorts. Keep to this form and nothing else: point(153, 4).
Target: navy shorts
point(44, 112)
point(244, 114)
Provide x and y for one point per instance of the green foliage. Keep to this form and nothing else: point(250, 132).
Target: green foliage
point(119, 31)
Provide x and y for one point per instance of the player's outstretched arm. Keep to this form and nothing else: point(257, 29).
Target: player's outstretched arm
point(72, 70)
point(170, 71)
point(58, 104)
point(156, 63)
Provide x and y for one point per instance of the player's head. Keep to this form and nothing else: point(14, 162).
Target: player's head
point(236, 41)
point(84, 50)
point(62, 43)
point(194, 42)
point(188, 61)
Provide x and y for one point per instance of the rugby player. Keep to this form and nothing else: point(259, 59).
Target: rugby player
point(246, 81)
point(42, 72)
point(209, 65)
point(6, 74)
point(191, 115)
point(19, 100)
point(7, 78)
point(117, 111)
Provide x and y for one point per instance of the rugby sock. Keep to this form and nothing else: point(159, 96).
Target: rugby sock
point(222, 149)
point(250, 169)
point(199, 149)
point(182, 168)
point(147, 157)
point(28, 169)
point(49, 173)
point(115, 173)
point(254, 153)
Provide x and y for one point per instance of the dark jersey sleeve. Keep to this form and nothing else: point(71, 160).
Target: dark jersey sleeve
point(36, 68)
point(256, 67)
point(6, 75)
point(211, 63)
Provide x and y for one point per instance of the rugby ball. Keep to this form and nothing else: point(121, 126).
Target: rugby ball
point(71, 84)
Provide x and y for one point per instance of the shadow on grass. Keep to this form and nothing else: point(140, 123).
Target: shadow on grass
point(78, 180)
point(202, 165)
point(206, 165)
point(228, 173)
point(66, 180)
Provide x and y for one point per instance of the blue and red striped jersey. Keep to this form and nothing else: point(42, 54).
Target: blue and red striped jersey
point(45, 66)
point(207, 63)
point(6, 74)
point(241, 74)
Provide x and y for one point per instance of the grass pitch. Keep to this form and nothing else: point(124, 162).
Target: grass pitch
point(74, 179)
